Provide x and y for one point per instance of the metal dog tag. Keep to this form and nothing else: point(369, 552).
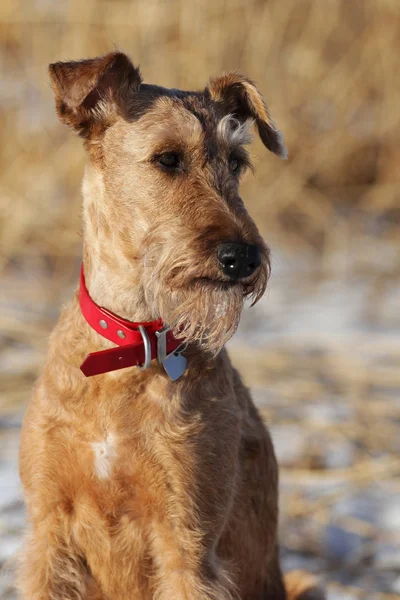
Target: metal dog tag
point(175, 365)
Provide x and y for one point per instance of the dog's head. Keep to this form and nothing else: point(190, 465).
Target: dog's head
point(163, 212)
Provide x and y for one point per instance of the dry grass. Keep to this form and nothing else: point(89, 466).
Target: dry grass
point(330, 73)
point(328, 69)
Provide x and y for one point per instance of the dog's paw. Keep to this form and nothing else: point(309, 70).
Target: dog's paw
point(303, 586)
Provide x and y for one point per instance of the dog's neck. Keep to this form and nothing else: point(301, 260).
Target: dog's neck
point(108, 289)
point(111, 278)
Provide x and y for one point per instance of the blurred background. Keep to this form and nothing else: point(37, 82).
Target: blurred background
point(321, 351)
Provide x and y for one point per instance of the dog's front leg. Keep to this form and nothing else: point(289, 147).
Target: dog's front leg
point(49, 567)
point(190, 581)
point(186, 569)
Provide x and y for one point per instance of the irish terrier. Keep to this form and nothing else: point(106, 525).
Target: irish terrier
point(148, 472)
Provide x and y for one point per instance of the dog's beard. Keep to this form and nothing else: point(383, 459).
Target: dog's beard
point(198, 308)
point(204, 313)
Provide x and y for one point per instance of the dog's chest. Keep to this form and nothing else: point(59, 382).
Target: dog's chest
point(122, 429)
point(132, 482)
point(129, 462)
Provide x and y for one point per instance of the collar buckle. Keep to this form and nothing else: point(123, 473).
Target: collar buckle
point(161, 336)
point(174, 363)
point(147, 349)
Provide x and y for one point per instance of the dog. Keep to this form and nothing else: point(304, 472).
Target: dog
point(147, 470)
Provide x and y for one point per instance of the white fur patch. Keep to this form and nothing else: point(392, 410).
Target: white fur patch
point(233, 132)
point(104, 456)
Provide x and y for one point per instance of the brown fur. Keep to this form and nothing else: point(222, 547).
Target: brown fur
point(137, 487)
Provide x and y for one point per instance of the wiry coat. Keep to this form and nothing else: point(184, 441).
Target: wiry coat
point(138, 487)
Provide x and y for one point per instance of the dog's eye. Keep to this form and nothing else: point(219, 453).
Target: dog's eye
point(169, 160)
point(235, 165)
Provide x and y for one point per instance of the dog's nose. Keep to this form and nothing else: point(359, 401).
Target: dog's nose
point(238, 260)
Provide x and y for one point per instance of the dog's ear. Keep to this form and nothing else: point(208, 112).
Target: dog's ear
point(240, 97)
point(90, 93)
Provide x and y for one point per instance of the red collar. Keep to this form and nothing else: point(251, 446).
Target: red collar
point(138, 343)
